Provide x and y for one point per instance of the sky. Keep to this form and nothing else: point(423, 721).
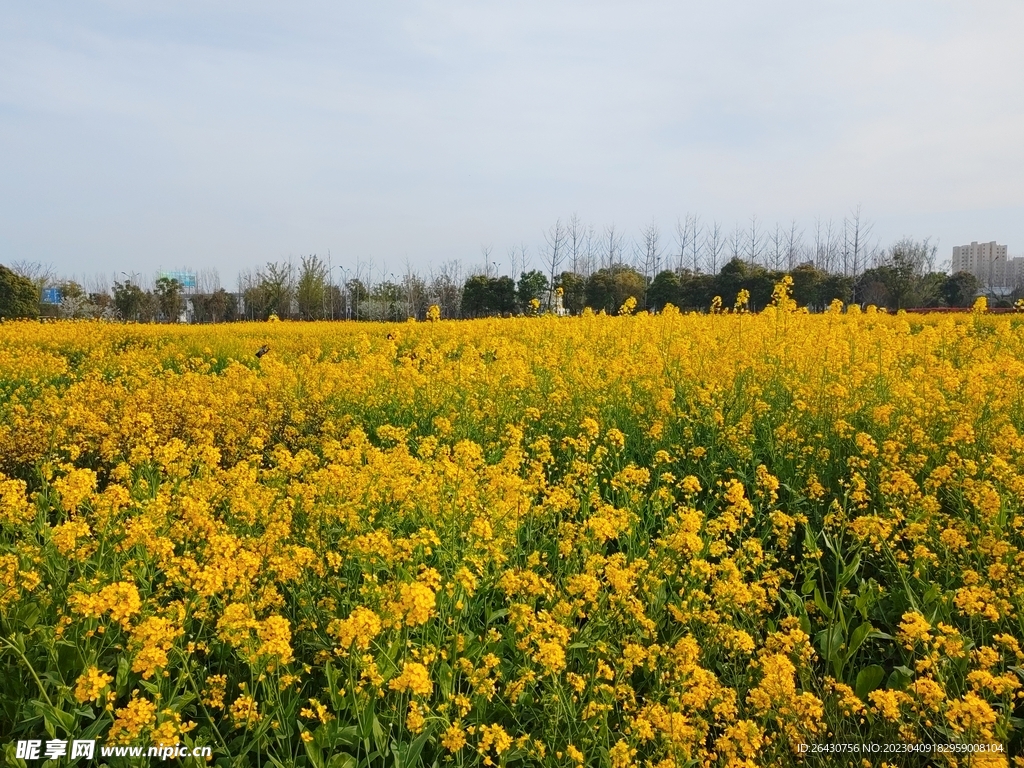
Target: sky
point(137, 136)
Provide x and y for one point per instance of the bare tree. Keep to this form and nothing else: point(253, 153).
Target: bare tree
point(755, 242)
point(207, 280)
point(576, 234)
point(555, 238)
point(41, 275)
point(612, 249)
point(683, 241)
point(414, 293)
point(648, 250)
point(777, 248)
point(794, 245)
point(246, 284)
point(518, 258)
point(589, 251)
point(513, 260)
point(738, 243)
point(446, 288)
point(695, 244)
point(525, 259)
point(485, 251)
point(861, 232)
point(826, 245)
point(715, 246)
point(98, 284)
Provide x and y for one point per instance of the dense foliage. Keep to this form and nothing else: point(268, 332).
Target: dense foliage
point(18, 296)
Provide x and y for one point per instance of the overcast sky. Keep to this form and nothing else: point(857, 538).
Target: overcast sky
point(141, 135)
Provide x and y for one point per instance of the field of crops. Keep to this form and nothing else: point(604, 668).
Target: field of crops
point(652, 541)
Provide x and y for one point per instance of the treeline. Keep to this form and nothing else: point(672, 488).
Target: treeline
point(578, 270)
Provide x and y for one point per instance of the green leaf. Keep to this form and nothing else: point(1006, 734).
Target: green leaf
point(313, 752)
point(342, 760)
point(868, 680)
point(349, 735)
point(338, 702)
point(860, 634)
point(275, 762)
point(379, 737)
point(829, 544)
point(822, 605)
point(805, 624)
point(850, 571)
point(810, 540)
point(28, 615)
point(830, 641)
point(411, 756)
point(444, 674)
point(367, 719)
point(124, 669)
point(899, 678)
point(493, 616)
point(56, 721)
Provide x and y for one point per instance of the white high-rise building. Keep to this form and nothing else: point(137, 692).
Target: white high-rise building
point(1013, 276)
point(986, 261)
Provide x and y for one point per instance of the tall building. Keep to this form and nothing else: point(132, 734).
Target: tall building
point(1013, 276)
point(986, 261)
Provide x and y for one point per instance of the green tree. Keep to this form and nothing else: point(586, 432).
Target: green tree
point(532, 285)
point(273, 291)
point(807, 283)
point(19, 296)
point(384, 302)
point(910, 262)
point(738, 275)
point(835, 287)
point(873, 286)
point(574, 291)
point(503, 295)
point(483, 296)
point(609, 287)
point(217, 307)
point(130, 301)
point(169, 299)
point(475, 296)
point(903, 279)
point(311, 289)
point(959, 289)
point(730, 280)
point(666, 288)
point(696, 290)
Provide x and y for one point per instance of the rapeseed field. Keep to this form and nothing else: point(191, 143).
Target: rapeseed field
point(722, 539)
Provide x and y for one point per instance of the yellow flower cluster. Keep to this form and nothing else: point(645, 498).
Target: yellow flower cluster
point(91, 684)
point(414, 678)
point(636, 541)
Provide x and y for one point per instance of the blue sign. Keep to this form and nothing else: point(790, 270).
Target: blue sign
point(185, 279)
point(51, 296)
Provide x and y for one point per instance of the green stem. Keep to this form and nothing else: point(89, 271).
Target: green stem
point(35, 677)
